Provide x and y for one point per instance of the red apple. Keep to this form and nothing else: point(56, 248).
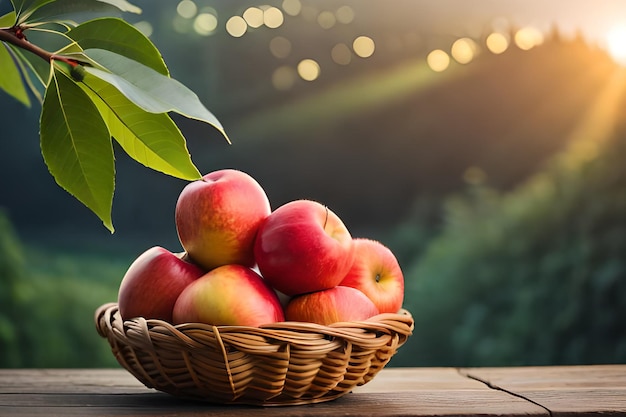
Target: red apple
point(153, 282)
point(229, 295)
point(302, 247)
point(217, 218)
point(331, 306)
point(377, 274)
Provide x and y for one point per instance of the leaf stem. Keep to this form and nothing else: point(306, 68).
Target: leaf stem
point(15, 36)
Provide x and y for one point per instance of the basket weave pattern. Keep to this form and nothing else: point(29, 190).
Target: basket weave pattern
point(279, 364)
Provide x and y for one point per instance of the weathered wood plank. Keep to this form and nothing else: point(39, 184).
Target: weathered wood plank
point(563, 390)
point(575, 391)
point(394, 392)
point(426, 403)
point(69, 381)
point(417, 379)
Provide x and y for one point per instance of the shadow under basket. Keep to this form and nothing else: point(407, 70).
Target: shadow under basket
point(287, 363)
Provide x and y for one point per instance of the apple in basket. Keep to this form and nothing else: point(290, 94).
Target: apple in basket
point(228, 295)
point(377, 274)
point(217, 218)
point(330, 306)
point(302, 247)
point(153, 282)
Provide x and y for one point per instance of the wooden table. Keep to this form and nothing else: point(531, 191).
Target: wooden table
point(517, 391)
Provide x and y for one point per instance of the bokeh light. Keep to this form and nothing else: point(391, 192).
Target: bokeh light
point(326, 19)
point(528, 37)
point(144, 27)
point(345, 15)
point(438, 60)
point(283, 78)
point(280, 47)
point(497, 43)
point(308, 69)
point(253, 17)
point(181, 24)
point(292, 7)
point(205, 24)
point(464, 50)
point(187, 9)
point(273, 17)
point(341, 54)
point(363, 46)
point(236, 26)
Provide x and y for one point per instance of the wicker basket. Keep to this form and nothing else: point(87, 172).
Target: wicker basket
point(280, 364)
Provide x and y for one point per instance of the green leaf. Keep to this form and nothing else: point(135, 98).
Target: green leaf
point(123, 5)
point(8, 20)
point(25, 8)
point(40, 68)
point(11, 80)
point(76, 146)
point(56, 9)
point(153, 92)
point(36, 86)
point(116, 35)
point(154, 140)
point(18, 5)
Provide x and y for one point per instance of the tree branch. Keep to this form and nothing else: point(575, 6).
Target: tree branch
point(10, 36)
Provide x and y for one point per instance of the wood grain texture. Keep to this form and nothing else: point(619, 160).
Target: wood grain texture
point(531, 391)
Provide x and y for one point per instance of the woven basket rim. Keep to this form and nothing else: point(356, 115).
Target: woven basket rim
point(285, 363)
point(402, 316)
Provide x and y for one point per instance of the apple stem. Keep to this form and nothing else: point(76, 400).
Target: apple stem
point(377, 277)
point(326, 219)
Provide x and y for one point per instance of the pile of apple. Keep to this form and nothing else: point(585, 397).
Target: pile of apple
point(244, 264)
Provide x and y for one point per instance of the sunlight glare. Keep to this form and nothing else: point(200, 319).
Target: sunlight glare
point(616, 43)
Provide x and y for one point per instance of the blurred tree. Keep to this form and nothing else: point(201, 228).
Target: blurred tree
point(46, 303)
point(11, 271)
point(533, 277)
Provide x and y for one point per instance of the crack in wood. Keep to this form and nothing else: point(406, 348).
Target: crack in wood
point(498, 388)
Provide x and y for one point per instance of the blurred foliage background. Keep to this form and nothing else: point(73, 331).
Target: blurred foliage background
point(498, 178)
